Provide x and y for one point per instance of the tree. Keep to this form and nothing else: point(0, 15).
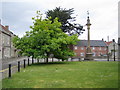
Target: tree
point(45, 39)
point(64, 16)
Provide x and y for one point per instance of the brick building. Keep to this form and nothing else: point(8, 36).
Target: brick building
point(98, 47)
point(7, 50)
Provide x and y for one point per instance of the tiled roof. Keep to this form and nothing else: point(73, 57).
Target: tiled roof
point(108, 43)
point(4, 28)
point(93, 43)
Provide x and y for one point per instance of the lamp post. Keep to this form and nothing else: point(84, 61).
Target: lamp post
point(114, 48)
point(108, 52)
point(88, 50)
point(118, 48)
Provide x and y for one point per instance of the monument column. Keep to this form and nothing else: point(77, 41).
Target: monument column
point(89, 55)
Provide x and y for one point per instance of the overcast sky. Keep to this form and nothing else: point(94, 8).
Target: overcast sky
point(103, 15)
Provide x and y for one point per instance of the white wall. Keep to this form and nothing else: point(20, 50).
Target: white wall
point(0, 45)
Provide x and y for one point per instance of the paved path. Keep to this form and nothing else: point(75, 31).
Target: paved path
point(12, 61)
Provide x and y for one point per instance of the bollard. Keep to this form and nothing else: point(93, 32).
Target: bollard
point(24, 63)
point(18, 66)
point(108, 57)
point(28, 62)
point(9, 71)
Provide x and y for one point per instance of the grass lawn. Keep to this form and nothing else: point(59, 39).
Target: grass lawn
point(85, 74)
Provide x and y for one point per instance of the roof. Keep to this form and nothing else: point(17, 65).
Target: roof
point(93, 43)
point(4, 28)
point(108, 43)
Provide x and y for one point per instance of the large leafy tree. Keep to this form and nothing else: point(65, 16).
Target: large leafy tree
point(45, 39)
point(64, 16)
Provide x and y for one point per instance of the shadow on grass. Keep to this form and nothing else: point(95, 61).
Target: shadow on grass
point(49, 63)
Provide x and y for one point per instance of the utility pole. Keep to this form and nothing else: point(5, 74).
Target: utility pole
point(114, 48)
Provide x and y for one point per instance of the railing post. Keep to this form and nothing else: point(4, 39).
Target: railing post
point(9, 71)
point(108, 57)
point(24, 63)
point(18, 66)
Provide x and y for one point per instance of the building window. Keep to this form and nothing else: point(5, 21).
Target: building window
point(8, 40)
point(82, 48)
point(93, 48)
point(94, 54)
point(101, 54)
point(105, 49)
point(75, 53)
point(81, 54)
point(75, 47)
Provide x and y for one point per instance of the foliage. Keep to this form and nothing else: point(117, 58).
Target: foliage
point(65, 17)
point(45, 39)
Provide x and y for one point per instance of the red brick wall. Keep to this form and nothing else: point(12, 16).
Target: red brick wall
point(81, 51)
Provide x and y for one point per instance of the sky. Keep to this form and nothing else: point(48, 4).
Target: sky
point(103, 15)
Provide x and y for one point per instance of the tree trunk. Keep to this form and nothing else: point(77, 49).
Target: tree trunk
point(46, 60)
point(47, 57)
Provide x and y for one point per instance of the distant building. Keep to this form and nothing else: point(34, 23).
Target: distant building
point(7, 50)
point(98, 47)
point(111, 49)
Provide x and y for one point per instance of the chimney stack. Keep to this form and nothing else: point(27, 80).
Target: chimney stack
point(7, 27)
point(102, 39)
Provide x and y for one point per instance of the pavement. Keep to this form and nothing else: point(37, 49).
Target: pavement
point(12, 61)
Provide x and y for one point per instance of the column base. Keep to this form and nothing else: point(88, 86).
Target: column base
point(89, 57)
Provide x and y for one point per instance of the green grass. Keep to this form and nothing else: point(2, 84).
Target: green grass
point(66, 75)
